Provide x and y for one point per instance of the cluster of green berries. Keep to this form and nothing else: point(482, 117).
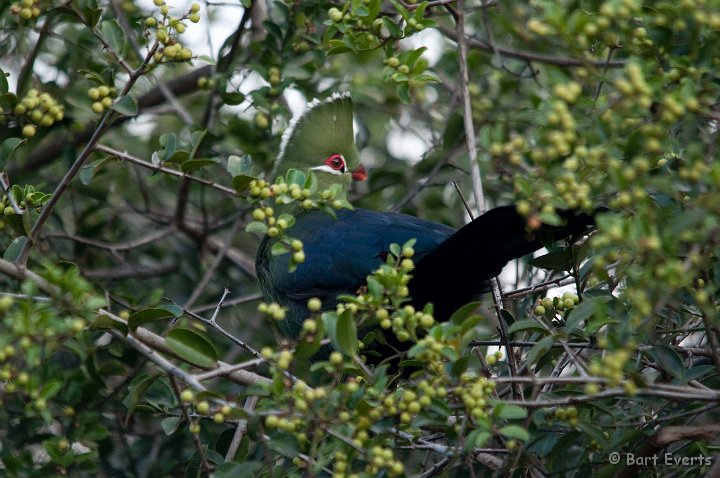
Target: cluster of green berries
point(261, 120)
point(561, 138)
point(300, 398)
point(282, 359)
point(285, 193)
point(513, 149)
point(569, 414)
point(539, 27)
point(40, 109)
point(401, 69)
point(492, 359)
point(568, 92)
point(430, 350)
point(29, 198)
point(26, 9)
point(167, 31)
point(360, 24)
point(203, 407)
point(475, 393)
point(274, 75)
point(634, 88)
point(557, 306)
point(404, 323)
point(102, 97)
point(408, 403)
point(272, 310)
point(611, 366)
point(481, 103)
point(205, 83)
point(382, 459)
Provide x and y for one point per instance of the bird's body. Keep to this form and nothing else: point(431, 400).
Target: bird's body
point(452, 266)
point(340, 254)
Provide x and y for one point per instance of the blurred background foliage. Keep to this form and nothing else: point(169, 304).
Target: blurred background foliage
point(577, 104)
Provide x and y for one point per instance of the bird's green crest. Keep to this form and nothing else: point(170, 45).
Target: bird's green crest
point(323, 129)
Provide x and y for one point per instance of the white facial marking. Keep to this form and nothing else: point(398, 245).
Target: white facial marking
point(327, 169)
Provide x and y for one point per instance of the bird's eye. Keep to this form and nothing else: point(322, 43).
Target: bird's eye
point(336, 162)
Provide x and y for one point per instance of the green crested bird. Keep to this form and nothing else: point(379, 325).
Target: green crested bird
point(452, 267)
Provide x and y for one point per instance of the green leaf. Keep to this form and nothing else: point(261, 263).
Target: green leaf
point(669, 360)
point(256, 227)
point(103, 322)
point(196, 139)
point(540, 349)
point(311, 182)
point(192, 347)
point(414, 55)
point(239, 165)
point(289, 218)
point(477, 439)
point(113, 35)
point(509, 412)
point(126, 106)
point(392, 27)
point(246, 469)
point(527, 324)
point(584, 310)
point(137, 389)
point(467, 310)
point(560, 260)
point(87, 173)
point(403, 92)
point(4, 87)
point(232, 98)
point(91, 13)
point(194, 164)
point(170, 424)
point(50, 389)
point(347, 341)
point(515, 431)
point(295, 176)
point(401, 10)
point(285, 445)
point(178, 157)
point(241, 182)
point(13, 251)
point(207, 59)
point(279, 249)
point(8, 147)
point(146, 316)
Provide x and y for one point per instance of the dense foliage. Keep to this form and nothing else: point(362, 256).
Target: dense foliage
point(137, 185)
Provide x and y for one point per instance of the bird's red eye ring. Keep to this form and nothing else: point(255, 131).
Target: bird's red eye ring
point(336, 162)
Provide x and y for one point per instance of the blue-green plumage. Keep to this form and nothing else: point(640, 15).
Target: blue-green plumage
point(340, 253)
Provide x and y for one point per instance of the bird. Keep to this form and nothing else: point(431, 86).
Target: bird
point(452, 266)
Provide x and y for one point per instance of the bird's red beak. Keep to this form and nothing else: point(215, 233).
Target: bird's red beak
point(359, 174)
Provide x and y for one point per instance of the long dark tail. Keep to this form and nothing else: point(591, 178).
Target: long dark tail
point(459, 269)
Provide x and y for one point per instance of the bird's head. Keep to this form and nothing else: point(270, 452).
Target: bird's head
point(322, 140)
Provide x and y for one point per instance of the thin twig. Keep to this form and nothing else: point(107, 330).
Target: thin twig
point(163, 169)
point(478, 193)
point(5, 183)
point(150, 238)
point(196, 439)
point(210, 272)
point(531, 56)
point(240, 429)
